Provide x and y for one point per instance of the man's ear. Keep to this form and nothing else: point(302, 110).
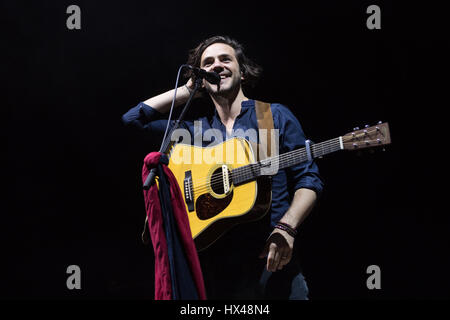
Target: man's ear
point(242, 74)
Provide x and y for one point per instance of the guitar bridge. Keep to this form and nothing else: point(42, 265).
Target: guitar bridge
point(189, 190)
point(226, 179)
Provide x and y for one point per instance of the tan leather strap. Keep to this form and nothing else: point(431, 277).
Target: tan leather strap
point(265, 123)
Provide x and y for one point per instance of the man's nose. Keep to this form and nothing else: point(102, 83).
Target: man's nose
point(217, 66)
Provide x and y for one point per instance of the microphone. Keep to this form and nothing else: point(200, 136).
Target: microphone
point(211, 77)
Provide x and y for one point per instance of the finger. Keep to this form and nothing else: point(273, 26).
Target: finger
point(285, 258)
point(276, 261)
point(271, 256)
point(283, 261)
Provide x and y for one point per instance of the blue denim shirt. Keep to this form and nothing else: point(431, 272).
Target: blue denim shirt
point(291, 137)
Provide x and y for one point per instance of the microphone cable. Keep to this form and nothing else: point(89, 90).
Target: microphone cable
point(173, 104)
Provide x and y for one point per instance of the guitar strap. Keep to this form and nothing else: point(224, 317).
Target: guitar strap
point(265, 127)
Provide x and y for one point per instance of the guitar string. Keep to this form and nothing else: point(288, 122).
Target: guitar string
point(248, 173)
point(286, 158)
point(242, 176)
point(323, 147)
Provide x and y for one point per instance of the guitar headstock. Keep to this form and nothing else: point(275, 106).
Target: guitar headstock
point(368, 137)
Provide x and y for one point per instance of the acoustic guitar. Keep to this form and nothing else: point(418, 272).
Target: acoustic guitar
point(225, 184)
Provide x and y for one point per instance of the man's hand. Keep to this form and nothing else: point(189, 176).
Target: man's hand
point(163, 101)
point(280, 244)
point(190, 86)
point(278, 250)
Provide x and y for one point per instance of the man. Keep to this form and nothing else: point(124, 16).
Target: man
point(253, 260)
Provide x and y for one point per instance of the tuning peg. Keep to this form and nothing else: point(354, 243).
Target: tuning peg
point(366, 126)
point(355, 128)
point(380, 122)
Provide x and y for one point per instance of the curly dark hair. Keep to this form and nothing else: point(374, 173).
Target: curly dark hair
point(251, 71)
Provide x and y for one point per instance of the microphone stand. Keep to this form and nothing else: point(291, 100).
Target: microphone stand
point(167, 143)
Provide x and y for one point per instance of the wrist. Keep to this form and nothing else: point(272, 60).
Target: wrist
point(189, 90)
point(287, 228)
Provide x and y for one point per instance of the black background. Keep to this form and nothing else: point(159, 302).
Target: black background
point(74, 193)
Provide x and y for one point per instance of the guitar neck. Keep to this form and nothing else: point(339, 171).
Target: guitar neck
point(252, 171)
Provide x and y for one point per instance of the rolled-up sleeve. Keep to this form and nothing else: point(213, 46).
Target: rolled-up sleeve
point(303, 175)
point(144, 117)
point(140, 116)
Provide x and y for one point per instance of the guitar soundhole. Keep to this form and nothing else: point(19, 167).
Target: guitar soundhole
point(216, 181)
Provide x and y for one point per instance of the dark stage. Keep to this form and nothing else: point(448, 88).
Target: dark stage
point(72, 176)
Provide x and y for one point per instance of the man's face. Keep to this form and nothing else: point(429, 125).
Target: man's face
point(221, 58)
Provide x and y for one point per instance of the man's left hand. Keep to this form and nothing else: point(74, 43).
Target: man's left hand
point(278, 250)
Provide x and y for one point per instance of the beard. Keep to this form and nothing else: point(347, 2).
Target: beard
point(229, 87)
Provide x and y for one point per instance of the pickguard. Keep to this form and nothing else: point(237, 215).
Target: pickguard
point(208, 206)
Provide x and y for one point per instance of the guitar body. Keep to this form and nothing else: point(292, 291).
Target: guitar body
point(213, 203)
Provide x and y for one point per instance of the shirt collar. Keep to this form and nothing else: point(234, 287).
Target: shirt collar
point(245, 105)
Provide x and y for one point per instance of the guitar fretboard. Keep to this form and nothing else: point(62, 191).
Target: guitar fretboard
point(252, 171)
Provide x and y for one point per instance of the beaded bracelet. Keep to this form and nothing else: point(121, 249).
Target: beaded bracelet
point(285, 227)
